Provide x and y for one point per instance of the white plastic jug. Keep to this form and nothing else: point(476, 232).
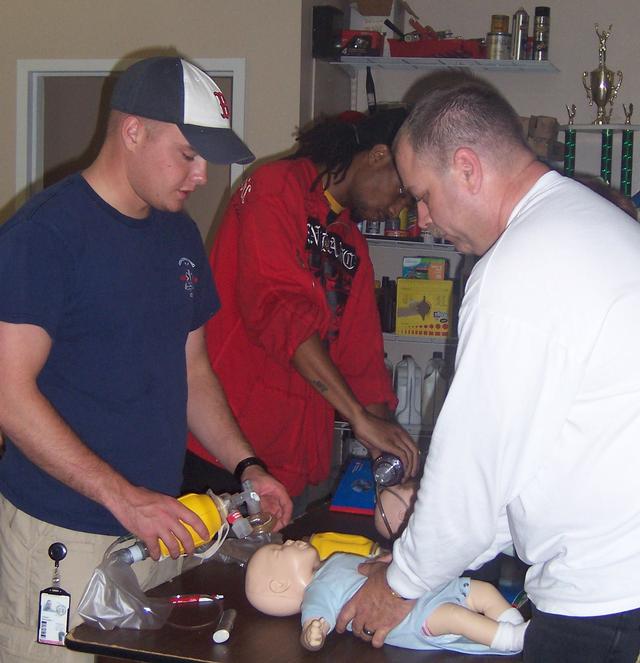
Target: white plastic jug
point(408, 387)
point(435, 387)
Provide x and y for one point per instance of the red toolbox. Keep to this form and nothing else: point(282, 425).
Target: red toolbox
point(437, 48)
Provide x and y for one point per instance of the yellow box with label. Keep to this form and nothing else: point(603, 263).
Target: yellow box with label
point(423, 308)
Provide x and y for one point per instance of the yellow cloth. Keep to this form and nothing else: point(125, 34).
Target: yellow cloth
point(327, 543)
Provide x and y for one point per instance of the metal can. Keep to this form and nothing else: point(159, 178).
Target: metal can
point(500, 23)
point(541, 28)
point(392, 228)
point(373, 228)
point(520, 34)
point(499, 45)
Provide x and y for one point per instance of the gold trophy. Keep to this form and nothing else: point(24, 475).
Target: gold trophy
point(602, 89)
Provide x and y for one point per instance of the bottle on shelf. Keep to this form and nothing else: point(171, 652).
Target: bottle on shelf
point(387, 305)
point(371, 92)
point(435, 387)
point(519, 34)
point(408, 387)
point(541, 28)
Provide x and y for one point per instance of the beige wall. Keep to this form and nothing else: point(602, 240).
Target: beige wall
point(265, 32)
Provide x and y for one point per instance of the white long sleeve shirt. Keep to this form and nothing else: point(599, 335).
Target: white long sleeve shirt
point(539, 439)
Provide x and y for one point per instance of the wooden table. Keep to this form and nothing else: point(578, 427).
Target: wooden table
point(255, 637)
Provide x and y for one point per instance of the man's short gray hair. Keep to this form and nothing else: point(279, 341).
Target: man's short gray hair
point(459, 109)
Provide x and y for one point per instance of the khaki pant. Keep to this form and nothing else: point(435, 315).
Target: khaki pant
point(26, 569)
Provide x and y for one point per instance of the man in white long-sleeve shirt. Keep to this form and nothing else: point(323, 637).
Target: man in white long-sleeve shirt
point(538, 442)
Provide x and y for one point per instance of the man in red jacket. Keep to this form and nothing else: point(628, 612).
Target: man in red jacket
point(298, 337)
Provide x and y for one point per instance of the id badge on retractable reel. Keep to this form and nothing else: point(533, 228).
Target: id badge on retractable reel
point(53, 616)
point(54, 604)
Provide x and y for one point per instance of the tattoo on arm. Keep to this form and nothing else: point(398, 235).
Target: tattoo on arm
point(319, 385)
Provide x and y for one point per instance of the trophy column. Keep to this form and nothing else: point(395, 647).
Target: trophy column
point(607, 132)
point(570, 144)
point(605, 155)
point(626, 162)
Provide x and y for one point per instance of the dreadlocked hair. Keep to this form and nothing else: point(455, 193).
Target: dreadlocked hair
point(334, 142)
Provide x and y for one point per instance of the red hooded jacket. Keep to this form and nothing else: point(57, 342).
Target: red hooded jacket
point(282, 274)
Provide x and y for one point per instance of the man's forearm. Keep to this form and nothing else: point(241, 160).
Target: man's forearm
point(376, 432)
point(313, 362)
point(380, 410)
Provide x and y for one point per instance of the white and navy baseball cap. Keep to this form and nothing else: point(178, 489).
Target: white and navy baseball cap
point(169, 89)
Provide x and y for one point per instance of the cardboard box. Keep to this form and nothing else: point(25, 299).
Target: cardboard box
point(541, 132)
point(371, 14)
point(424, 308)
point(424, 267)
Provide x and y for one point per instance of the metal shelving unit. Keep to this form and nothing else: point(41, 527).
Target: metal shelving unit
point(387, 255)
point(530, 66)
point(429, 340)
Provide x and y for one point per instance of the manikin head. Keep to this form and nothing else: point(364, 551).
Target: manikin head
point(277, 575)
point(393, 508)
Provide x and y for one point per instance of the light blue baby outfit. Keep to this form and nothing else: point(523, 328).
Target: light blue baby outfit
point(338, 580)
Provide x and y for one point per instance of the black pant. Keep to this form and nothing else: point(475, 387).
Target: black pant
point(561, 639)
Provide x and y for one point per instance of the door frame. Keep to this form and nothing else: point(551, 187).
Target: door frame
point(30, 107)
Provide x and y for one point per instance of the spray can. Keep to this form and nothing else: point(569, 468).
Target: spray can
point(519, 34)
point(541, 28)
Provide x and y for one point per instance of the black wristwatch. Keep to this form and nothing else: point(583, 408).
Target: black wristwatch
point(248, 462)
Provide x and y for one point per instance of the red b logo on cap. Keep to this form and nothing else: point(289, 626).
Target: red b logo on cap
point(224, 108)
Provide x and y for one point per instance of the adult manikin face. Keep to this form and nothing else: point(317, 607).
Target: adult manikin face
point(393, 507)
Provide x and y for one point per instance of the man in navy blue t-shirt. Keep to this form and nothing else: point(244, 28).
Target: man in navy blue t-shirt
point(104, 292)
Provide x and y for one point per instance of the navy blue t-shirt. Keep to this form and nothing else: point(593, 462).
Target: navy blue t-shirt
point(118, 297)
